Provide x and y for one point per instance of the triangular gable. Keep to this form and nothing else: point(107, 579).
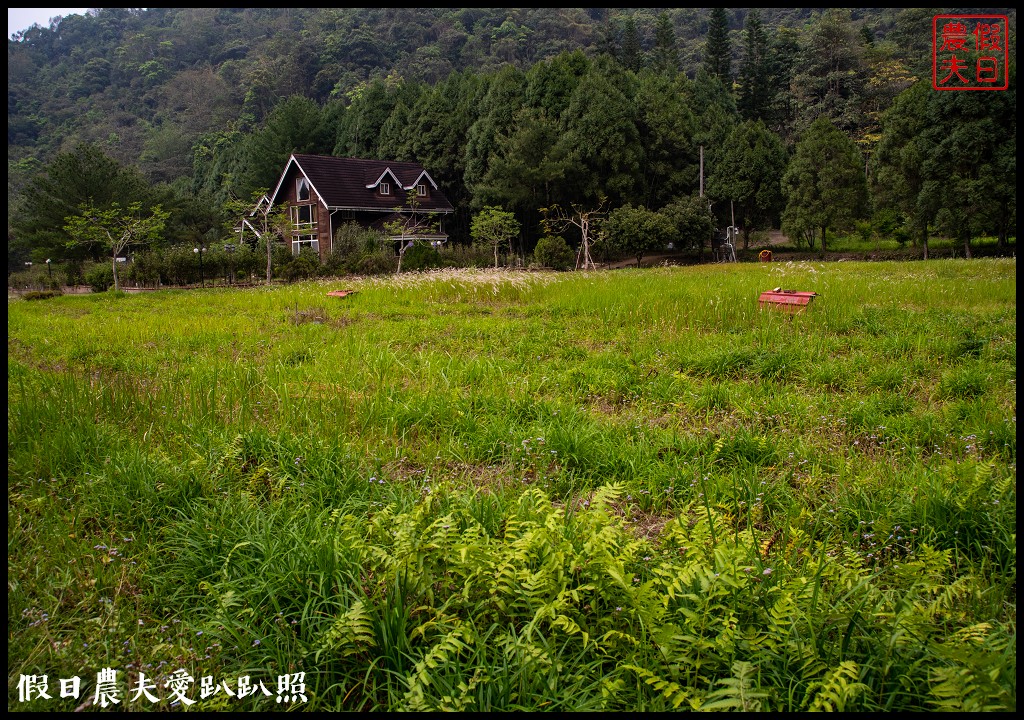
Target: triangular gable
point(417, 181)
point(280, 182)
point(387, 171)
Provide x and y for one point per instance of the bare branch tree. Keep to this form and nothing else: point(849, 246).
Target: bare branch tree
point(556, 219)
point(409, 227)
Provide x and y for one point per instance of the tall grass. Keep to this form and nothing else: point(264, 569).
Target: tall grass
point(476, 490)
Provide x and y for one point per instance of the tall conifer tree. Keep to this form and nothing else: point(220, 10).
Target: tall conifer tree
point(666, 55)
point(717, 49)
point(754, 91)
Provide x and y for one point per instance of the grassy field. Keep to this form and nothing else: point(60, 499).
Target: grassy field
point(627, 490)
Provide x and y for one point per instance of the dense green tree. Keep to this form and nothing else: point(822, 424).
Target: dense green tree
point(219, 164)
point(754, 92)
point(717, 48)
point(897, 166)
point(910, 38)
point(824, 184)
point(527, 169)
point(783, 50)
point(970, 140)
point(437, 133)
point(295, 126)
point(494, 229)
point(550, 83)
point(554, 252)
point(506, 95)
point(83, 176)
point(602, 136)
point(359, 132)
point(830, 73)
point(716, 118)
point(692, 222)
point(631, 55)
point(665, 53)
point(637, 231)
point(114, 228)
point(667, 129)
point(749, 174)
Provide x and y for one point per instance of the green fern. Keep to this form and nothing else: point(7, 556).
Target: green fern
point(960, 689)
point(351, 633)
point(737, 692)
point(449, 646)
point(671, 691)
point(837, 690)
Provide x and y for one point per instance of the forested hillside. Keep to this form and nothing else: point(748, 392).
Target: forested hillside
point(520, 108)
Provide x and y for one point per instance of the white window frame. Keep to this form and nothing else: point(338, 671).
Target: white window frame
point(303, 226)
point(385, 188)
point(300, 241)
point(421, 190)
point(299, 183)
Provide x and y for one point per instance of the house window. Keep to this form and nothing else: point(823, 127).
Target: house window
point(303, 218)
point(421, 190)
point(304, 241)
point(304, 227)
point(385, 188)
point(348, 214)
point(301, 189)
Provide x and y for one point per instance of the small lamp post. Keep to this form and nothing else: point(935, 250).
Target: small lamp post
point(202, 274)
point(48, 270)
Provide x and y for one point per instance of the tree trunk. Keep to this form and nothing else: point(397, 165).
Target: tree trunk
point(924, 241)
point(967, 247)
point(113, 266)
point(823, 231)
point(269, 247)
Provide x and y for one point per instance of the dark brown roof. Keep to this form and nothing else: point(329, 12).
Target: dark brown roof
point(342, 182)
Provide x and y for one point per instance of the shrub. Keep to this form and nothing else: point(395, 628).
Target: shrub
point(42, 294)
point(306, 265)
point(901, 235)
point(379, 262)
point(885, 221)
point(352, 244)
point(73, 274)
point(281, 260)
point(421, 257)
point(465, 256)
point(864, 229)
point(145, 268)
point(554, 252)
point(100, 278)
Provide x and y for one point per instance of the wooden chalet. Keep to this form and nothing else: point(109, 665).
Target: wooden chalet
point(322, 193)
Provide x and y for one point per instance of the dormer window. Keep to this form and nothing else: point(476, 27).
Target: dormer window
point(301, 189)
point(421, 190)
point(385, 188)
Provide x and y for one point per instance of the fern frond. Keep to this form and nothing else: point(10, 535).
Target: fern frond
point(671, 691)
point(351, 633)
point(737, 692)
point(838, 688)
